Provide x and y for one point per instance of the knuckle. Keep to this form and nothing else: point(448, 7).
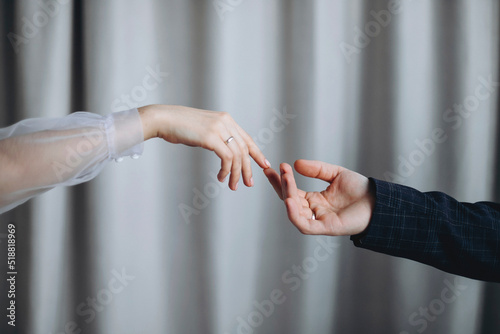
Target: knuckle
point(237, 155)
point(236, 168)
point(247, 168)
point(218, 126)
point(247, 164)
point(252, 147)
point(225, 115)
point(244, 150)
point(247, 172)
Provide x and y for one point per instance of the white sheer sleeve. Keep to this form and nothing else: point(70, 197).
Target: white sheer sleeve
point(38, 154)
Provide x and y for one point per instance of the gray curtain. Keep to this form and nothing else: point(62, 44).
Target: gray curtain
point(155, 245)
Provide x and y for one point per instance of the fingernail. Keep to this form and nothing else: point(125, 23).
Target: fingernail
point(236, 187)
point(251, 182)
point(268, 164)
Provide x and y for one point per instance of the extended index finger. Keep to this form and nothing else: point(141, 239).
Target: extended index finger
point(275, 181)
point(253, 149)
point(288, 185)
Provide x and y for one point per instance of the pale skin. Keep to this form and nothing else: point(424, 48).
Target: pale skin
point(343, 208)
point(175, 124)
point(209, 130)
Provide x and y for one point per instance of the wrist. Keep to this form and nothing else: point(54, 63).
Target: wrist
point(371, 201)
point(368, 205)
point(148, 114)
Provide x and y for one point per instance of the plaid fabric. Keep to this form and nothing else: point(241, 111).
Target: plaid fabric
point(435, 229)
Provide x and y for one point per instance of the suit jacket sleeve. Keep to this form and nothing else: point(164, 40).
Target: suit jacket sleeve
point(435, 229)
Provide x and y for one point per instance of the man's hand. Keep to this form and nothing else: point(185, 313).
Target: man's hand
point(343, 208)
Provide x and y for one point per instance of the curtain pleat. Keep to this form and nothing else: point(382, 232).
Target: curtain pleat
point(347, 82)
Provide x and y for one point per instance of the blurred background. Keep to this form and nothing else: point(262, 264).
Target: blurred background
point(155, 245)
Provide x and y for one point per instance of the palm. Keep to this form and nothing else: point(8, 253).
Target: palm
point(338, 206)
point(343, 208)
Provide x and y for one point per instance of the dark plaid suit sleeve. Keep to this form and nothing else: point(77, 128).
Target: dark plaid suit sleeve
point(435, 229)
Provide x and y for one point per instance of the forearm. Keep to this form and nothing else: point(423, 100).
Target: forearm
point(435, 229)
point(38, 154)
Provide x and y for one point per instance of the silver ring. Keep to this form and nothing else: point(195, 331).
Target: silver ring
point(313, 217)
point(229, 140)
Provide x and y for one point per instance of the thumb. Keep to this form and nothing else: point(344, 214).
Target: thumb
point(318, 169)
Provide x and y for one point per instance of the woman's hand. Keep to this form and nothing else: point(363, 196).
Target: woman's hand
point(207, 129)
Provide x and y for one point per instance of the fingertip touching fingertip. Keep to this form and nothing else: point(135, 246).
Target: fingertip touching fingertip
point(282, 170)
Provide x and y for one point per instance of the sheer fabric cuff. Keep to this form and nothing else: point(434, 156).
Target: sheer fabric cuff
point(39, 154)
